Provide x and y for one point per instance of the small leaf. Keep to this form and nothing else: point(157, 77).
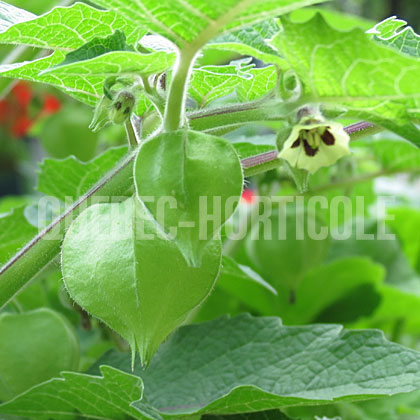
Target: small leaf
point(84, 80)
point(113, 63)
point(106, 397)
point(97, 47)
point(85, 89)
point(71, 178)
point(199, 173)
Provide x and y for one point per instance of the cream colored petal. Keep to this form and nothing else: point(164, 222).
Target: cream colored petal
point(311, 163)
point(292, 155)
point(292, 138)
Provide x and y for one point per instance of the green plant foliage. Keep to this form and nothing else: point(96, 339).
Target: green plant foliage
point(246, 284)
point(34, 347)
point(372, 82)
point(185, 22)
point(283, 254)
point(395, 33)
point(169, 278)
point(251, 41)
point(119, 390)
point(333, 364)
point(211, 82)
point(15, 231)
point(75, 178)
point(55, 29)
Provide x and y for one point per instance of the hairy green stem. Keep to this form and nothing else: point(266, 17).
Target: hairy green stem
point(174, 117)
point(231, 117)
point(133, 139)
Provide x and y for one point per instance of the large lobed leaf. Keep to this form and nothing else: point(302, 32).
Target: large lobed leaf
point(347, 68)
point(237, 365)
point(197, 21)
point(66, 29)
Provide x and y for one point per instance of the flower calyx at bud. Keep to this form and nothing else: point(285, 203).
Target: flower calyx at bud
point(117, 103)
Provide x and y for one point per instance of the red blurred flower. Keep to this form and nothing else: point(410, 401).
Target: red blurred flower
point(248, 196)
point(51, 104)
point(21, 126)
point(21, 109)
point(22, 92)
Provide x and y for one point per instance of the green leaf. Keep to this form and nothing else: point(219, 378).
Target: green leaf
point(262, 415)
point(336, 279)
point(86, 89)
point(84, 80)
point(113, 63)
point(262, 83)
point(72, 178)
point(197, 21)
point(248, 146)
point(199, 173)
point(15, 231)
point(336, 19)
point(370, 81)
point(97, 47)
point(285, 250)
point(67, 28)
point(119, 267)
point(406, 225)
point(395, 33)
point(246, 285)
point(100, 397)
point(11, 15)
point(67, 133)
point(393, 154)
point(251, 41)
point(208, 83)
point(34, 346)
point(248, 364)
point(385, 251)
